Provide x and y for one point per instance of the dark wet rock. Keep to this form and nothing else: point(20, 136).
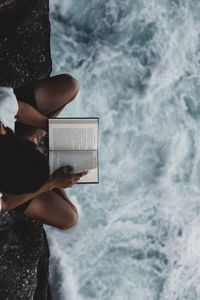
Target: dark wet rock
point(24, 57)
point(24, 258)
point(24, 41)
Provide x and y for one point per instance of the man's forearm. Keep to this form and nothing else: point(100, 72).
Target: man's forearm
point(28, 115)
point(11, 201)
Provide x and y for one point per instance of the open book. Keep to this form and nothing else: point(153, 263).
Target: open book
point(74, 142)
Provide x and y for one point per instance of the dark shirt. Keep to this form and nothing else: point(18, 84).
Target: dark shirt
point(24, 41)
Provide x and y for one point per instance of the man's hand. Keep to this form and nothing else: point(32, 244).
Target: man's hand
point(64, 178)
point(61, 178)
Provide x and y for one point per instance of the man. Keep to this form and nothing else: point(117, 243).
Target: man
point(49, 96)
point(27, 93)
point(29, 203)
point(30, 198)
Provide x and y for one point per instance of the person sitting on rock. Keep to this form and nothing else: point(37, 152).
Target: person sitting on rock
point(31, 197)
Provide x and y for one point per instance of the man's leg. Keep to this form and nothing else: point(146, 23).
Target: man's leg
point(53, 208)
point(51, 96)
point(54, 93)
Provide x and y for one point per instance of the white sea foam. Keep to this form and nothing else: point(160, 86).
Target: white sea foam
point(138, 65)
point(62, 287)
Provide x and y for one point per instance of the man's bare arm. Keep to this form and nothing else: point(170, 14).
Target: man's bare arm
point(61, 178)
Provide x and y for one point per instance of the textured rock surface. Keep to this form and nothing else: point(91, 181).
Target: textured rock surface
point(24, 258)
point(24, 42)
point(24, 57)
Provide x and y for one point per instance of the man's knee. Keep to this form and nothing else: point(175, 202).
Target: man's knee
point(69, 221)
point(71, 85)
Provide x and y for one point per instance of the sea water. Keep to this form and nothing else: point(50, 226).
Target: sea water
point(138, 66)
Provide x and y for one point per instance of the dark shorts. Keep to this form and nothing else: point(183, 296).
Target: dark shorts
point(25, 94)
point(23, 206)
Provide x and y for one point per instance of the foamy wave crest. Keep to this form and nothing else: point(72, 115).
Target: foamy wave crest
point(138, 65)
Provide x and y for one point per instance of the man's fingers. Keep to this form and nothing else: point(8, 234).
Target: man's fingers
point(73, 181)
point(81, 174)
point(67, 169)
point(77, 178)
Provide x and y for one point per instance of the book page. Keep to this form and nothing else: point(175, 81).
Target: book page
point(73, 134)
point(92, 176)
point(79, 160)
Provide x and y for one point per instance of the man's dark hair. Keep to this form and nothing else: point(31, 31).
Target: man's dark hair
point(23, 169)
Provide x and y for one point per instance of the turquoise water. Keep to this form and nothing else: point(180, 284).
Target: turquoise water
point(138, 65)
